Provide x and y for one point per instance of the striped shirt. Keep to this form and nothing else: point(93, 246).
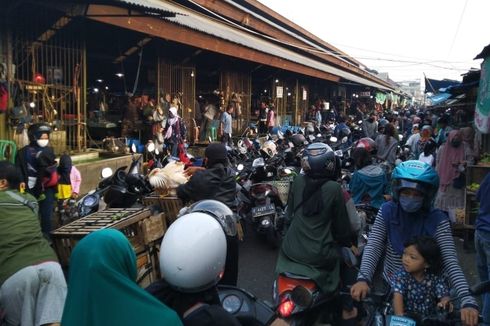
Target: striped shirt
point(379, 246)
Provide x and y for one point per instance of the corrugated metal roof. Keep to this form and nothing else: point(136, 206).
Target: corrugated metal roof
point(191, 19)
point(148, 4)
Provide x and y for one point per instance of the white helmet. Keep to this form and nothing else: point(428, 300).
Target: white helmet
point(270, 148)
point(193, 253)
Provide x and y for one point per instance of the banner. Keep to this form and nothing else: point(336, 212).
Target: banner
point(482, 111)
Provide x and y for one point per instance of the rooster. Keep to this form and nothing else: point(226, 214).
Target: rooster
point(166, 180)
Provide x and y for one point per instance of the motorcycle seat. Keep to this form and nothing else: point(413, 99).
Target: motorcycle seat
point(288, 281)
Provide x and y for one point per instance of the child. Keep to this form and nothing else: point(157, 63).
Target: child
point(68, 186)
point(427, 155)
point(417, 287)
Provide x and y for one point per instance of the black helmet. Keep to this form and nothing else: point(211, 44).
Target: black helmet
point(319, 161)
point(36, 130)
point(298, 140)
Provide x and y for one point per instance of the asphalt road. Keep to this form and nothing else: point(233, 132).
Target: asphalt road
point(257, 263)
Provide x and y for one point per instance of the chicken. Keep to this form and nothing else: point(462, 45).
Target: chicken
point(166, 180)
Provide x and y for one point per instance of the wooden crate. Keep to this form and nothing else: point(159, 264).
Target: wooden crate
point(169, 205)
point(143, 231)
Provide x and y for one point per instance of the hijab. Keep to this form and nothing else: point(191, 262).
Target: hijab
point(102, 288)
point(173, 118)
point(64, 169)
point(312, 195)
point(450, 155)
point(403, 227)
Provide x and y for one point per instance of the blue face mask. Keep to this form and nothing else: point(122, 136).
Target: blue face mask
point(411, 204)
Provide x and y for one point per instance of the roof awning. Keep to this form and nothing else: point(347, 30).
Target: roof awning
point(180, 27)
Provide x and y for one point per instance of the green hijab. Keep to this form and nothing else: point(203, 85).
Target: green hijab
point(102, 289)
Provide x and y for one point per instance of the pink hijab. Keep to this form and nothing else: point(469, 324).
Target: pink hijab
point(450, 157)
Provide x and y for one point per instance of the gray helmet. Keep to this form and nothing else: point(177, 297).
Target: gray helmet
point(319, 161)
point(222, 213)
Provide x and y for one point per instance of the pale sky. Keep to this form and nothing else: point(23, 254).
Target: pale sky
point(405, 38)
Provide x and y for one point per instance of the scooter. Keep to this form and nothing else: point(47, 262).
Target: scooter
point(90, 203)
point(249, 310)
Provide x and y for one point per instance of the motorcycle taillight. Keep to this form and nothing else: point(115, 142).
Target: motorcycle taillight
point(286, 308)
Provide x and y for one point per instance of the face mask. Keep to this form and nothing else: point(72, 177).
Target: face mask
point(411, 204)
point(455, 143)
point(43, 142)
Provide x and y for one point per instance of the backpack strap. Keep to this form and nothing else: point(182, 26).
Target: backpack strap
point(33, 205)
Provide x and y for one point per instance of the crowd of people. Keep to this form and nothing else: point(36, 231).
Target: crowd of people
point(416, 200)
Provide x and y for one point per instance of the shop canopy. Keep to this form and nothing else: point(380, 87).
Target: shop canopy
point(195, 29)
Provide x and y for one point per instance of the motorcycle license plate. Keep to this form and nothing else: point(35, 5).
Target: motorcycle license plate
point(263, 210)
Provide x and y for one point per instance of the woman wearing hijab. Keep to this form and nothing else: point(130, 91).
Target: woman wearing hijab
point(102, 288)
point(410, 215)
point(451, 160)
point(174, 131)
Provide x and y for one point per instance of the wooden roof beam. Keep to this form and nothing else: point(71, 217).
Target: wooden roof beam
point(170, 31)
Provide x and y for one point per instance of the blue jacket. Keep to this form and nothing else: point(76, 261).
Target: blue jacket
point(370, 181)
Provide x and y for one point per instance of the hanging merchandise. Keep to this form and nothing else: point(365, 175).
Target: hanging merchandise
point(482, 112)
point(380, 98)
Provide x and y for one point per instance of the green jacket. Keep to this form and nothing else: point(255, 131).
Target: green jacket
point(310, 247)
point(21, 241)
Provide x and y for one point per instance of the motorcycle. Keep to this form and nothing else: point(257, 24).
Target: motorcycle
point(245, 306)
point(127, 189)
point(90, 203)
point(260, 201)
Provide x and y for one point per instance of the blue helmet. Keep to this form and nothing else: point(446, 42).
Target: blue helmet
point(415, 175)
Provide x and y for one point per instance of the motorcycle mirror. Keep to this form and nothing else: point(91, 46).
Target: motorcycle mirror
point(133, 148)
point(240, 167)
point(344, 140)
point(333, 139)
point(151, 147)
point(301, 296)
point(106, 172)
